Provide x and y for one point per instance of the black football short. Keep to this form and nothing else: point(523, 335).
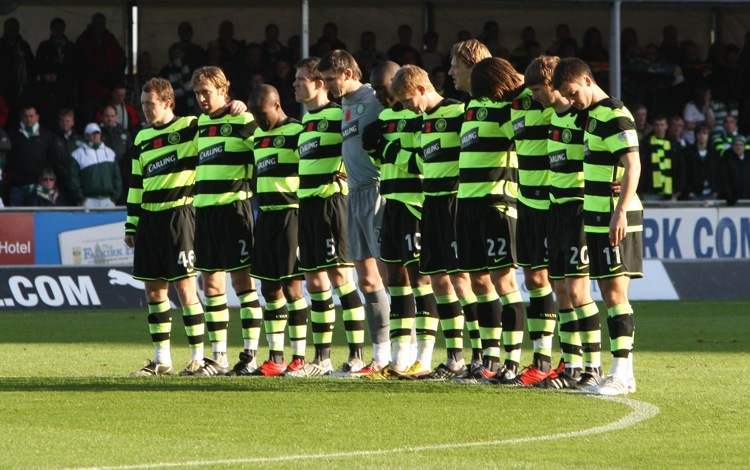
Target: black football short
point(439, 249)
point(531, 234)
point(322, 233)
point(625, 259)
point(485, 236)
point(276, 249)
point(224, 236)
point(568, 252)
point(164, 245)
point(400, 238)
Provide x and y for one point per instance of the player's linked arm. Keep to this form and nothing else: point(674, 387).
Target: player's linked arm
point(617, 228)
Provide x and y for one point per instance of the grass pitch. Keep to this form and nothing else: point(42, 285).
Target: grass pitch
point(65, 402)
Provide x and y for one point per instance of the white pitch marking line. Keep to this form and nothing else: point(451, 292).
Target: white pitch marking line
point(641, 411)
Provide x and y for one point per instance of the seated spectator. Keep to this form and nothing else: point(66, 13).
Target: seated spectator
point(642, 126)
point(698, 112)
point(656, 173)
point(45, 193)
point(399, 51)
point(68, 138)
point(117, 138)
point(33, 148)
point(178, 72)
point(4, 151)
point(127, 116)
point(431, 57)
point(734, 172)
point(16, 63)
point(669, 50)
point(675, 134)
point(193, 55)
point(95, 176)
point(723, 139)
point(273, 49)
point(368, 55)
point(700, 167)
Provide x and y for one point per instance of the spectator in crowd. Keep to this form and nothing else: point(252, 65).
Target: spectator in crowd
point(178, 72)
point(722, 140)
point(273, 49)
point(229, 50)
point(328, 41)
point(117, 138)
point(368, 54)
point(283, 79)
point(48, 96)
point(100, 64)
point(193, 55)
point(16, 63)
point(563, 41)
point(629, 46)
point(45, 193)
point(95, 176)
point(727, 75)
point(127, 115)
point(294, 46)
point(490, 37)
point(656, 172)
point(68, 140)
point(698, 112)
point(4, 111)
point(675, 134)
point(734, 172)
point(57, 56)
point(439, 79)
point(593, 50)
point(669, 50)
point(431, 57)
point(145, 67)
point(253, 63)
point(520, 55)
point(5, 147)
point(700, 167)
point(399, 51)
point(33, 148)
point(642, 126)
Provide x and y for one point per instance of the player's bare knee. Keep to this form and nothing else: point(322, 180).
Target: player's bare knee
point(293, 290)
point(156, 291)
point(535, 279)
point(441, 284)
point(397, 276)
point(505, 281)
point(481, 283)
point(186, 291)
point(271, 290)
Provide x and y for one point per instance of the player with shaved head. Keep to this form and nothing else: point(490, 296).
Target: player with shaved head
point(274, 257)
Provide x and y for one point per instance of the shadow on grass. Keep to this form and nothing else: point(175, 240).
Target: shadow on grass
point(243, 384)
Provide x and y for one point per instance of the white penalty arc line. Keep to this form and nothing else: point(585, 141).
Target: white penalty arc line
point(640, 411)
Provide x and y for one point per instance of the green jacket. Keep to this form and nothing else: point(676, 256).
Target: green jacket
point(94, 173)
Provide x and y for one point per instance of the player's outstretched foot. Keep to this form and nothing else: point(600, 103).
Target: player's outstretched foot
point(350, 368)
point(568, 379)
point(247, 365)
point(312, 369)
point(446, 372)
point(415, 371)
point(191, 368)
point(589, 381)
point(272, 369)
point(151, 369)
point(212, 368)
point(532, 376)
point(614, 385)
point(296, 364)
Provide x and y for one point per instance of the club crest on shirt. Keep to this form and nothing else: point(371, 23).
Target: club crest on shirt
point(174, 138)
point(279, 141)
point(592, 126)
point(323, 125)
point(359, 109)
point(441, 124)
point(567, 136)
point(401, 125)
point(225, 130)
point(481, 114)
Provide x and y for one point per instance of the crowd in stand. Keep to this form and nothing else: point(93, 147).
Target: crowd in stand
point(68, 113)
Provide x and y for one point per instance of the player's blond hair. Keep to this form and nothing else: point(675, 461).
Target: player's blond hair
point(470, 52)
point(541, 70)
point(212, 75)
point(408, 78)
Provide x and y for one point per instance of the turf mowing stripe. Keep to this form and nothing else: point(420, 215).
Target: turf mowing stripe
point(641, 411)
